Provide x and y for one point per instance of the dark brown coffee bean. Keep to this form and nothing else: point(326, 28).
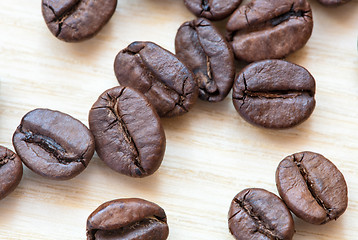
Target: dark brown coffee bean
point(258, 214)
point(53, 144)
point(274, 94)
point(265, 29)
point(10, 171)
point(312, 187)
point(333, 3)
point(212, 9)
point(77, 20)
point(204, 50)
point(127, 219)
point(167, 83)
point(129, 136)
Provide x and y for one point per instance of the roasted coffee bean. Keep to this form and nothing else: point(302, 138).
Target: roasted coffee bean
point(312, 187)
point(53, 144)
point(258, 214)
point(127, 219)
point(333, 2)
point(212, 9)
point(265, 29)
point(77, 20)
point(274, 94)
point(129, 136)
point(204, 50)
point(10, 171)
point(167, 83)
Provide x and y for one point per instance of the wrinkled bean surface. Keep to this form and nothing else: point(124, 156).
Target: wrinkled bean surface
point(274, 94)
point(266, 29)
point(212, 9)
point(10, 171)
point(53, 144)
point(129, 136)
point(258, 214)
point(76, 20)
point(129, 219)
point(204, 50)
point(312, 187)
point(167, 83)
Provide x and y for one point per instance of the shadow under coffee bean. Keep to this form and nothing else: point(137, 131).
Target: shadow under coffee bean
point(132, 219)
point(157, 73)
point(266, 29)
point(53, 144)
point(128, 133)
point(10, 171)
point(205, 51)
point(258, 214)
point(312, 187)
point(274, 94)
point(77, 20)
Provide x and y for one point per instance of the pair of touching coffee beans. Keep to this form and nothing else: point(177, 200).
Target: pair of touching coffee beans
point(310, 186)
point(220, 9)
point(124, 129)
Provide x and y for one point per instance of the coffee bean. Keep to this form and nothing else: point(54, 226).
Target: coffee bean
point(265, 29)
point(332, 2)
point(212, 9)
point(53, 144)
point(129, 136)
point(258, 214)
point(77, 20)
point(129, 219)
point(312, 187)
point(274, 94)
point(204, 50)
point(10, 171)
point(167, 83)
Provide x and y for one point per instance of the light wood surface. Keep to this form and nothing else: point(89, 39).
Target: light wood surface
point(211, 154)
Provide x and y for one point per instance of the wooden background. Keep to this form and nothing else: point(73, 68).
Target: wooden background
point(211, 154)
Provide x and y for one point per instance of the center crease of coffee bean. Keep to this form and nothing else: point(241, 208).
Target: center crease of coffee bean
point(309, 184)
point(132, 226)
point(261, 226)
point(271, 23)
point(270, 94)
point(51, 146)
point(123, 127)
point(181, 98)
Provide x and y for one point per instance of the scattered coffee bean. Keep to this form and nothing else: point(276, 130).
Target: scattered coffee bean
point(265, 29)
point(258, 214)
point(312, 187)
point(129, 136)
point(333, 2)
point(212, 9)
point(204, 50)
point(10, 171)
point(77, 20)
point(53, 144)
point(274, 94)
point(167, 83)
point(130, 219)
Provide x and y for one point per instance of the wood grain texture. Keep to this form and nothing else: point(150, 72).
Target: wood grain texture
point(211, 154)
